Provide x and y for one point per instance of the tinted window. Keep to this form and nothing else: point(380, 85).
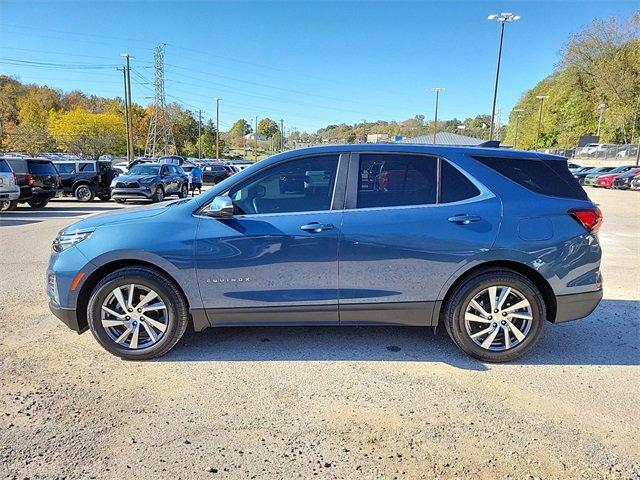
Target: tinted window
point(66, 167)
point(454, 186)
point(18, 165)
point(179, 170)
point(145, 170)
point(86, 167)
point(548, 177)
point(42, 168)
point(301, 185)
point(4, 167)
point(389, 180)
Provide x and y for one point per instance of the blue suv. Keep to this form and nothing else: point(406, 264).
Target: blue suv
point(490, 242)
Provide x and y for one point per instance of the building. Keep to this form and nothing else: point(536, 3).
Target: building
point(252, 137)
point(377, 138)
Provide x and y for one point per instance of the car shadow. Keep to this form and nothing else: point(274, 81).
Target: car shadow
point(609, 336)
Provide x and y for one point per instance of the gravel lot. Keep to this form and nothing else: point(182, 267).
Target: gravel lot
point(326, 402)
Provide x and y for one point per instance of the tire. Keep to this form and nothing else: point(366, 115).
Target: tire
point(184, 191)
point(38, 203)
point(8, 205)
point(119, 200)
point(84, 193)
point(158, 195)
point(104, 198)
point(217, 180)
point(499, 348)
point(175, 317)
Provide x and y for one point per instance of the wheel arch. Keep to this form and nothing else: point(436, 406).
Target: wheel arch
point(102, 271)
point(543, 285)
point(82, 182)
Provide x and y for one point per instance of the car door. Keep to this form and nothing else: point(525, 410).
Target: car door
point(276, 260)
point(410, 222)
point(165, 179)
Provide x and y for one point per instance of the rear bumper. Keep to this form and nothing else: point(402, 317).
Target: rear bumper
point(66, 315)
point(577, 305)
point(10, 194)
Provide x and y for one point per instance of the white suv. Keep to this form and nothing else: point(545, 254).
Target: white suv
point(9, 190)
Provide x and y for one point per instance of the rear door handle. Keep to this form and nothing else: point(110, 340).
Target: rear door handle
point(316, 227)
point(464, 219)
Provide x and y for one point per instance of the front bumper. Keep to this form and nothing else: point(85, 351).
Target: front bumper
point(68, 316)
point(576, 305)
point(144, 193)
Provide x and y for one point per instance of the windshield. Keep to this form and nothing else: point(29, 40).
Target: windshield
point(145, 170)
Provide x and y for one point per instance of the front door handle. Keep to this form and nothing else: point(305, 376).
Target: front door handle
point(316, 227)
point(464, 219)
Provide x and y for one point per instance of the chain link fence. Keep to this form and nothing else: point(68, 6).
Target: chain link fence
point(625, 153)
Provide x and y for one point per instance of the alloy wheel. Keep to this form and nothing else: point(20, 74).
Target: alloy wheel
point(131, 319)
point(498, 318)
point(83, 193)
point(159, 194)
point(4, 205)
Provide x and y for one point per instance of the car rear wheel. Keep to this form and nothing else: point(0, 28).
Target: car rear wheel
point(38, 203)
point(137, 313)
point(495, 316)
point(158, 196)
point(8, 205)
point(217, 180)
point(184, 191)
point(84, 193)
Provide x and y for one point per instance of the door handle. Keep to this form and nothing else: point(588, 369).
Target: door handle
point(316, 227)
point(464, 219)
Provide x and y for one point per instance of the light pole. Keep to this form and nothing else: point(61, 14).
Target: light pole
point(503, 18)
point(130, 152)
point(541, 98)
point(435, 119)
point(518, 112)
point(602, 107)
point(217, 128)
point(255, 136)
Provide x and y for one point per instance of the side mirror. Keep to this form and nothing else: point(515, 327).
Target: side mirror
point(221, 207)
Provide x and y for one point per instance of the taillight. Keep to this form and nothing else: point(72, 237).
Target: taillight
point(589, 218)
point(29, 178)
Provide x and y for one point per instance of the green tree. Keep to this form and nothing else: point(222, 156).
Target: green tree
point(240, 128)
point(268, 127)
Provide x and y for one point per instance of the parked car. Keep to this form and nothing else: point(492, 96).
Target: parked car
point(595, 148)
point(439, 235)
point(592, 178)
point(623, 180)
point(215, 173)
point(580, 176)
point(9, 189)
point(172, 159)
point(86, 179)
point(574, 167)
point(635, 183)
point(606, 180)
point(150, 181)
point(37, 178)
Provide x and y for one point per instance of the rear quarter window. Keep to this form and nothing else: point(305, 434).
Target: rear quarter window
point(547, 177)
point(454, 186)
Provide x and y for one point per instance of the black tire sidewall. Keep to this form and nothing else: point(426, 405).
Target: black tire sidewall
point(91, 193)
point(121, 278)
point(38, 203)
point(469, 289)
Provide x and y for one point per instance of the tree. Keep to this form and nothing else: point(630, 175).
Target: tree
point(240, 129)
point(268, 127)
point(31, 139)
point(89, 134)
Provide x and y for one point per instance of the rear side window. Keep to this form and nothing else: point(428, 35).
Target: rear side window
point(454, 186)
point(4, 167)
point(42, 168)
point(390, 180)
point(548, 177)
point(86, 167)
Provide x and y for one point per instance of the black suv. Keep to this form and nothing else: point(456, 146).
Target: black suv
point(215, 173)
point(37, 178)
point(86, 179)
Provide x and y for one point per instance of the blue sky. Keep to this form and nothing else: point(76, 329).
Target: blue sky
point(310, 63)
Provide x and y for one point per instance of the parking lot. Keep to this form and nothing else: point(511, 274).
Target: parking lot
point(329, 402)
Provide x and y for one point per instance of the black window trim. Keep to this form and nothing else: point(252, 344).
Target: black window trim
point(351, 197)
point(339, 186)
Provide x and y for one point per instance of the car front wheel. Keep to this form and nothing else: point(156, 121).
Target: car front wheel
point(137, 313)
point(158, 196)
point(184, 191)
point(495, 316)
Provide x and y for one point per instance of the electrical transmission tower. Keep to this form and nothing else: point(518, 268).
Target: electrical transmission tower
point(160, 139)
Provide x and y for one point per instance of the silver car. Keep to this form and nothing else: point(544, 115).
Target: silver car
point(9, 190)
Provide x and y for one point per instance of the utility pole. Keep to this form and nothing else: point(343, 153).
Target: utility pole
point(199, 135)
point(503, 18)
point(217, 128)
point(129, 111)
point(602, 108)
point(281, 135)
point(435, 118)
point(541, 98)
point(126, 108)
point(364, 128)
point(518, 112)
point(255, 137)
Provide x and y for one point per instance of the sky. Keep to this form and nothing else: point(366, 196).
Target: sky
point(306, 62)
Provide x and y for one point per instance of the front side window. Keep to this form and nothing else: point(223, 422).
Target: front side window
point(301, 185)
point(390, 180)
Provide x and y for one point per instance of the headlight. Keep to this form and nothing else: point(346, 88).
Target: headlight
point(66, 240)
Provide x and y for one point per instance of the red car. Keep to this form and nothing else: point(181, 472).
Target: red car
point(606, 181)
